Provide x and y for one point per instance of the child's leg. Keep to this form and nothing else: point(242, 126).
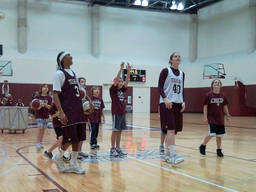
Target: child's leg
point(218, 141)
point(207, 139)
point(162, 139)
point(93, 134)
point(96, 132)
point(113, 139)
point(56, 144)
point(118, 139)
point(40, 134)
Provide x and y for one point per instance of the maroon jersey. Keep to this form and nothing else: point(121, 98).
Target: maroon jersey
point(70, 100)
point(55, 121)
point(118, 100)
point(43, 113)
point(9, 103)
point(215, 109)
point(98, 105)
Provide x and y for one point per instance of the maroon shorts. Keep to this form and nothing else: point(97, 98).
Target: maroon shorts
point(74, 133)
point(171, 119)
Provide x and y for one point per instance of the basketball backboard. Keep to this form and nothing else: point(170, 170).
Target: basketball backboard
point(6, 68)
point(214, 71)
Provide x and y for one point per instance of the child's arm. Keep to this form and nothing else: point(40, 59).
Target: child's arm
point(128, 68)
point(205, 113)
point(226, 112)
point(118, 74)
point(103, 116)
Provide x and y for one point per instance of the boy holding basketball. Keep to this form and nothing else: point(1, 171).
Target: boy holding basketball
point(117, 94)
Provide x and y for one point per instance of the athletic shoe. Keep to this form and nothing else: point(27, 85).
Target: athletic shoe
point(39, 146)
point(74, 168)
point(113, 152)
point(219, 153)
point(83, 154)
point(202, 149)
point(93, 146)
point(97, 146)
point(121, 152)
point(48, 154)
point(174, 160)
point(59, 163)
point(66, 159)
point(161, 148)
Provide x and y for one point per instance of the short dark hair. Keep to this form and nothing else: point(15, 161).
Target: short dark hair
point(80, 78)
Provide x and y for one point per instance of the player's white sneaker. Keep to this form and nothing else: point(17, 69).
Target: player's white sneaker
point(59, 163)
point(174, 159)
point(74, 168)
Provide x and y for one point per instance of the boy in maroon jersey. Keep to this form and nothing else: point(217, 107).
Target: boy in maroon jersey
point(42, 114)
point(95, 117)
point(117, 91)
point(215, 109)
point(58, 130)
point(69, 104)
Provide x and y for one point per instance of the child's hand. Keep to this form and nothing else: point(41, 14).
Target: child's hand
point(122, 65)
point(103, 121)
point(228, 117)
point(128, 67)
point(205, 120)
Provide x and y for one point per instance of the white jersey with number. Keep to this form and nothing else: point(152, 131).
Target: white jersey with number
point(173, 87)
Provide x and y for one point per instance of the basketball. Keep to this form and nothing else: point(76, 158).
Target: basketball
point(82, 94)
point(35, 103)
point(86, 105)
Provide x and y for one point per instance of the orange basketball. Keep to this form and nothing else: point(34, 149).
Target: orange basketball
point(35, 103)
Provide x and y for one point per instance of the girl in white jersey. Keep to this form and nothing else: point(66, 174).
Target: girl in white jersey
point(172, 105)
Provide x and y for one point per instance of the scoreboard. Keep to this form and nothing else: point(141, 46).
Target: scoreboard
point(136, 75)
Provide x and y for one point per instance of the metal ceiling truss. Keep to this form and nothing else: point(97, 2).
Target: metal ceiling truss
point(190, 6)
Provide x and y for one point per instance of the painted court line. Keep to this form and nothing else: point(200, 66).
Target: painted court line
point(5, 155)
point(185, 175)
point(19, 151)
point(11, 169)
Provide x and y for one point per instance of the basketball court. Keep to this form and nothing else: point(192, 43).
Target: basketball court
point(22, 167)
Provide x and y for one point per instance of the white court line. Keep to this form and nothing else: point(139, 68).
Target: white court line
point(5, 155)
point(185, 175)
point(11, 169)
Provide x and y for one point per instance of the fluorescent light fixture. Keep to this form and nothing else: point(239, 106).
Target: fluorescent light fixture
point(137, 2)
point(173, 6)
point(144, 3)
point(180, 6)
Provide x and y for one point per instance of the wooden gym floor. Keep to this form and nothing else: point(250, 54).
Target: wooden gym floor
point(24, 169)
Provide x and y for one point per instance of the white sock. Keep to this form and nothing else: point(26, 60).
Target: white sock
point(60, 154)
point(74, 155)
point(172, 150)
